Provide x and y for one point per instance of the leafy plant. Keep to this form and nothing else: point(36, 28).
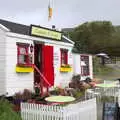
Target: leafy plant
point(66, 65)
point(107, 99)
point(6, 111)
point(24, 96)
point(78, 94)
point(75, 82)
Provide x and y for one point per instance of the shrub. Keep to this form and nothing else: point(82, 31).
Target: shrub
point(78, 94)
point(24, 96)
point(6, 111)
point(99, 69)
point(75, 82)
point(107, 99)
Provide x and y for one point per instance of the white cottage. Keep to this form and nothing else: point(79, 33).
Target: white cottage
point(33, 54)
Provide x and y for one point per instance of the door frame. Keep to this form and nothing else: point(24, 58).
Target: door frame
point(41, 59)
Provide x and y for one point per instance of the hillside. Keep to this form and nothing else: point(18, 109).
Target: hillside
point(95, 37)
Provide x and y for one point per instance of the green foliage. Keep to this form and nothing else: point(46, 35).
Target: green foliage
point(95, 37)
point(99, 69)
point(78, 94)
point(107, 99)
point(66, 66)
point(6, 112)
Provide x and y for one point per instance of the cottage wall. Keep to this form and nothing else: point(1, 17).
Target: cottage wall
point(76, 64)
point(91, 66)
point(2, 61)
point(16, 82)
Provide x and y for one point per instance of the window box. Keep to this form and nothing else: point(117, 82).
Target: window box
point(65, 68)
point(23, 69)
point(24, 58)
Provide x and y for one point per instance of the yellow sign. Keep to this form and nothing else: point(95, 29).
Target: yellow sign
point(46, 33)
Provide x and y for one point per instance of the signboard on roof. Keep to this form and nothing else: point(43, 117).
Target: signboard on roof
point(45, 32)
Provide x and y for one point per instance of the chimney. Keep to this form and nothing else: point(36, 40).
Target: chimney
point(53, 27)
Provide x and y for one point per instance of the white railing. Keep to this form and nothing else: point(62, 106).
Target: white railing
point(119, 98)
point(100, 92)
point(85, 110)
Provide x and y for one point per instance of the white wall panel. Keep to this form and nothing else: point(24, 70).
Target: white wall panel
point(2, 61)
point(16, 82)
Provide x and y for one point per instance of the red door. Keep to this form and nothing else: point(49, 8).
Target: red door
point(47, 67)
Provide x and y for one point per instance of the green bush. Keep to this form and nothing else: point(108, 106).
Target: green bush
point(99, 69)
point(78, 94)
point(6, 111)
point(107, 99)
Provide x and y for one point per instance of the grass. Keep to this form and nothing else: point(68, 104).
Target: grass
point(107, 99)
point(6, 111)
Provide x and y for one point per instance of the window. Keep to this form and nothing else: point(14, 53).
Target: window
point(85, 68)
point(64, 56)
point(23, 56)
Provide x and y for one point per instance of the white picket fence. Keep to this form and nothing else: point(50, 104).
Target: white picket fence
point(85, 110)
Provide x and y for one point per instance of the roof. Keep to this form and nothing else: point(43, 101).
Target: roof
point(23, 29)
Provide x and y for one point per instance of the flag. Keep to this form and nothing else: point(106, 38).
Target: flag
point(49, 11)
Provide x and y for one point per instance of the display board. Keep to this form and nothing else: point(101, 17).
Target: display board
point(110, 111)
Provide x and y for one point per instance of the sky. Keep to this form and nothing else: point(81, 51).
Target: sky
point(66, 13)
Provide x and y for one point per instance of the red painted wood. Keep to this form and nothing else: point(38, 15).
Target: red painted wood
point(48, 70)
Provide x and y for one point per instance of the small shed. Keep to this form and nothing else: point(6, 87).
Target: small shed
point(33, 54)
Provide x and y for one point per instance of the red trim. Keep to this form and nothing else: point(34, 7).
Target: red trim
point(26, 54)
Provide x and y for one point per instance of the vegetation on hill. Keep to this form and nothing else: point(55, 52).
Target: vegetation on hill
point(95, 37)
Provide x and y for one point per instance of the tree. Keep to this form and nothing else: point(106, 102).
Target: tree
point(94, 37)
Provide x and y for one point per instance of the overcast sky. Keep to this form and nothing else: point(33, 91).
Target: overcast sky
point(66, 13)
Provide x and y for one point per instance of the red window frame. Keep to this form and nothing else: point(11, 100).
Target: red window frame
point(85, 71)
point(26, 55)
point(64, 56)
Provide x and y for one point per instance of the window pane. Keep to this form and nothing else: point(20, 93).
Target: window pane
point(30, 59)
point(22, 59)
point(64, 56)
point(22, 50)
point(63, 61)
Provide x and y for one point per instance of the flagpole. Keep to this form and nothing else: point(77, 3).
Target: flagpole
point(50, 10)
